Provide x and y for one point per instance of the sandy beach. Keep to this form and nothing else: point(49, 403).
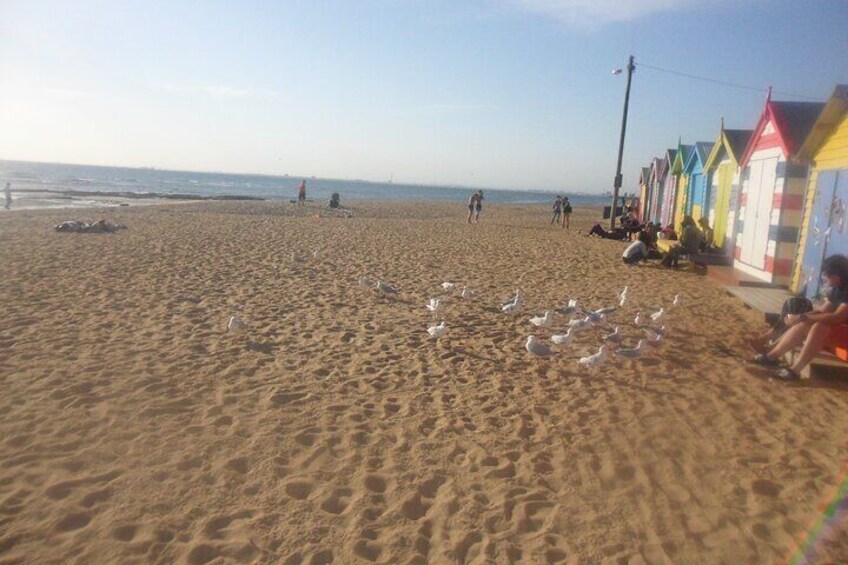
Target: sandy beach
point(136, 429)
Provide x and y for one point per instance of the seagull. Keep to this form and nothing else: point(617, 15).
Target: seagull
point(657, 316)
point(655, 340)
point(437, 331)
point(656, 330)
point(542, 321)
point(316, 254)
point(571, 308)
point(596, 359)
point(578, 324)
point(537, 348)
point(466, 294)
point(518, 298)
point(448, 286)
point(633, 353)
point(593, 316)
point(511, 308)
point(386, 288)
point(640, 319)
point(622, 298)
point(365, 282)
point(563, 339)
point(433, 305)
point(605, 311)
point(236, 325)
point(676, 301)
point(614, 337)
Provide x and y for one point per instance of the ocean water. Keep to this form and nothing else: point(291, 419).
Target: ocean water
point(61, 177)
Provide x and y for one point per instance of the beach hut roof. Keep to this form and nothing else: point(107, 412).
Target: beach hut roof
point(682, 157)
point(670, 155)
point(792, 122)
point(645, 175)
point(830, 117)
point(699, 153)
point(657, 168)
point(730, 142)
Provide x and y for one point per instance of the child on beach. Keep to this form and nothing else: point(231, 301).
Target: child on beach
point(475, 206)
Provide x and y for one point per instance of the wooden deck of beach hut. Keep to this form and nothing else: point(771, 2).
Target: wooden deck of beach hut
point(824, 229)
point(665, 200)
point(772, 193)
point(723, 167)
point(644, 187)
point(678, 169)
point(697, 186)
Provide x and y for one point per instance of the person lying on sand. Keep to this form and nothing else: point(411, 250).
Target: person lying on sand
point(598, 231)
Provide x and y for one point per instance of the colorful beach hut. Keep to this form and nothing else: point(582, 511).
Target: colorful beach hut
point(665, 200)
point(678, 169)
point(654, 186)
point(697, 185)
point(773, 189)
point(722, 166)
point(824, 229)
point(644, 184)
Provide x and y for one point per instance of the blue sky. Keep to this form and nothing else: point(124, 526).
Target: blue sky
point(489, 93)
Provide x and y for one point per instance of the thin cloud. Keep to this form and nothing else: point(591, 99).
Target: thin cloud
point(220, 91)
point(594, 13)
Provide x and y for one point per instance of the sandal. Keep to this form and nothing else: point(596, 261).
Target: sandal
point(765, 360)
point(787, 374)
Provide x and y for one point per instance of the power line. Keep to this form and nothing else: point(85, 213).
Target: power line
point(725, 83)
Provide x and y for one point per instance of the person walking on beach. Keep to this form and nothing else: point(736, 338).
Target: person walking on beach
point(301, 193)
point(557, 208)
point(472, 203)
point(566, 213)
point(478, 207)
point(8, 195)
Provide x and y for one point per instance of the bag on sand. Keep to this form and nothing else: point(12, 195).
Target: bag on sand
point(792, 305)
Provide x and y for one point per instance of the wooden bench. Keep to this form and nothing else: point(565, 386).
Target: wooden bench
point(823, 360)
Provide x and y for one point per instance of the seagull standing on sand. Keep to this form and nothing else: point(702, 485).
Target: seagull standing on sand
point(614, 337)
point(542, 321)
point(517, 298)
point(235, 325)
point(578, 324)
point(537, 348)
point(594, 360)
point(676, 301)
point(622, 298)
point(316, 254)
point(433, 305)
point(570, 308)
point(466, 294)
point(641, 320)
point(655, 339)
point(448, 286)
point(604, 311)
point(563, 339)
point(634, 352)
point(438, 330)
point(386, 288)
point(657, 316)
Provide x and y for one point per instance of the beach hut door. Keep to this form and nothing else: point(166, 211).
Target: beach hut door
point(828, 227)
point(758, 207)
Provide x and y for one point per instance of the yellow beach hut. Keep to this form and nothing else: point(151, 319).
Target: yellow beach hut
point(824, 227)
point(678, 169)
point(723, 167)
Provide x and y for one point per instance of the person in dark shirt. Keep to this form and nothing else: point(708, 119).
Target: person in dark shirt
point(815, 329)
point(690, 243)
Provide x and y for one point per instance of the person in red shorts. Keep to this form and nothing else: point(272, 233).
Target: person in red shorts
point(826, 324)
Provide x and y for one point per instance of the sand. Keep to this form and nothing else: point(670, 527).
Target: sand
point(136, 429)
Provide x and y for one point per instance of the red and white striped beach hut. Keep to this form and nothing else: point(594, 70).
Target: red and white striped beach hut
point(772, 192)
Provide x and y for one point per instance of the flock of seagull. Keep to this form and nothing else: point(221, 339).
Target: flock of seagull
point(611, 342)
point(586, 319)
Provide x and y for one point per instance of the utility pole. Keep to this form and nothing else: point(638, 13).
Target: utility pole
point(617, 182)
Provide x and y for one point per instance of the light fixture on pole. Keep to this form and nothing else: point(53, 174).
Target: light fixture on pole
point(617, 182)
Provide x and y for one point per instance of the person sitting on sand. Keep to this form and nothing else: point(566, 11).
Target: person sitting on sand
point(707, 235)
point(636, 251)
point(690, 243)
point(826, 324)
point(598, 231)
